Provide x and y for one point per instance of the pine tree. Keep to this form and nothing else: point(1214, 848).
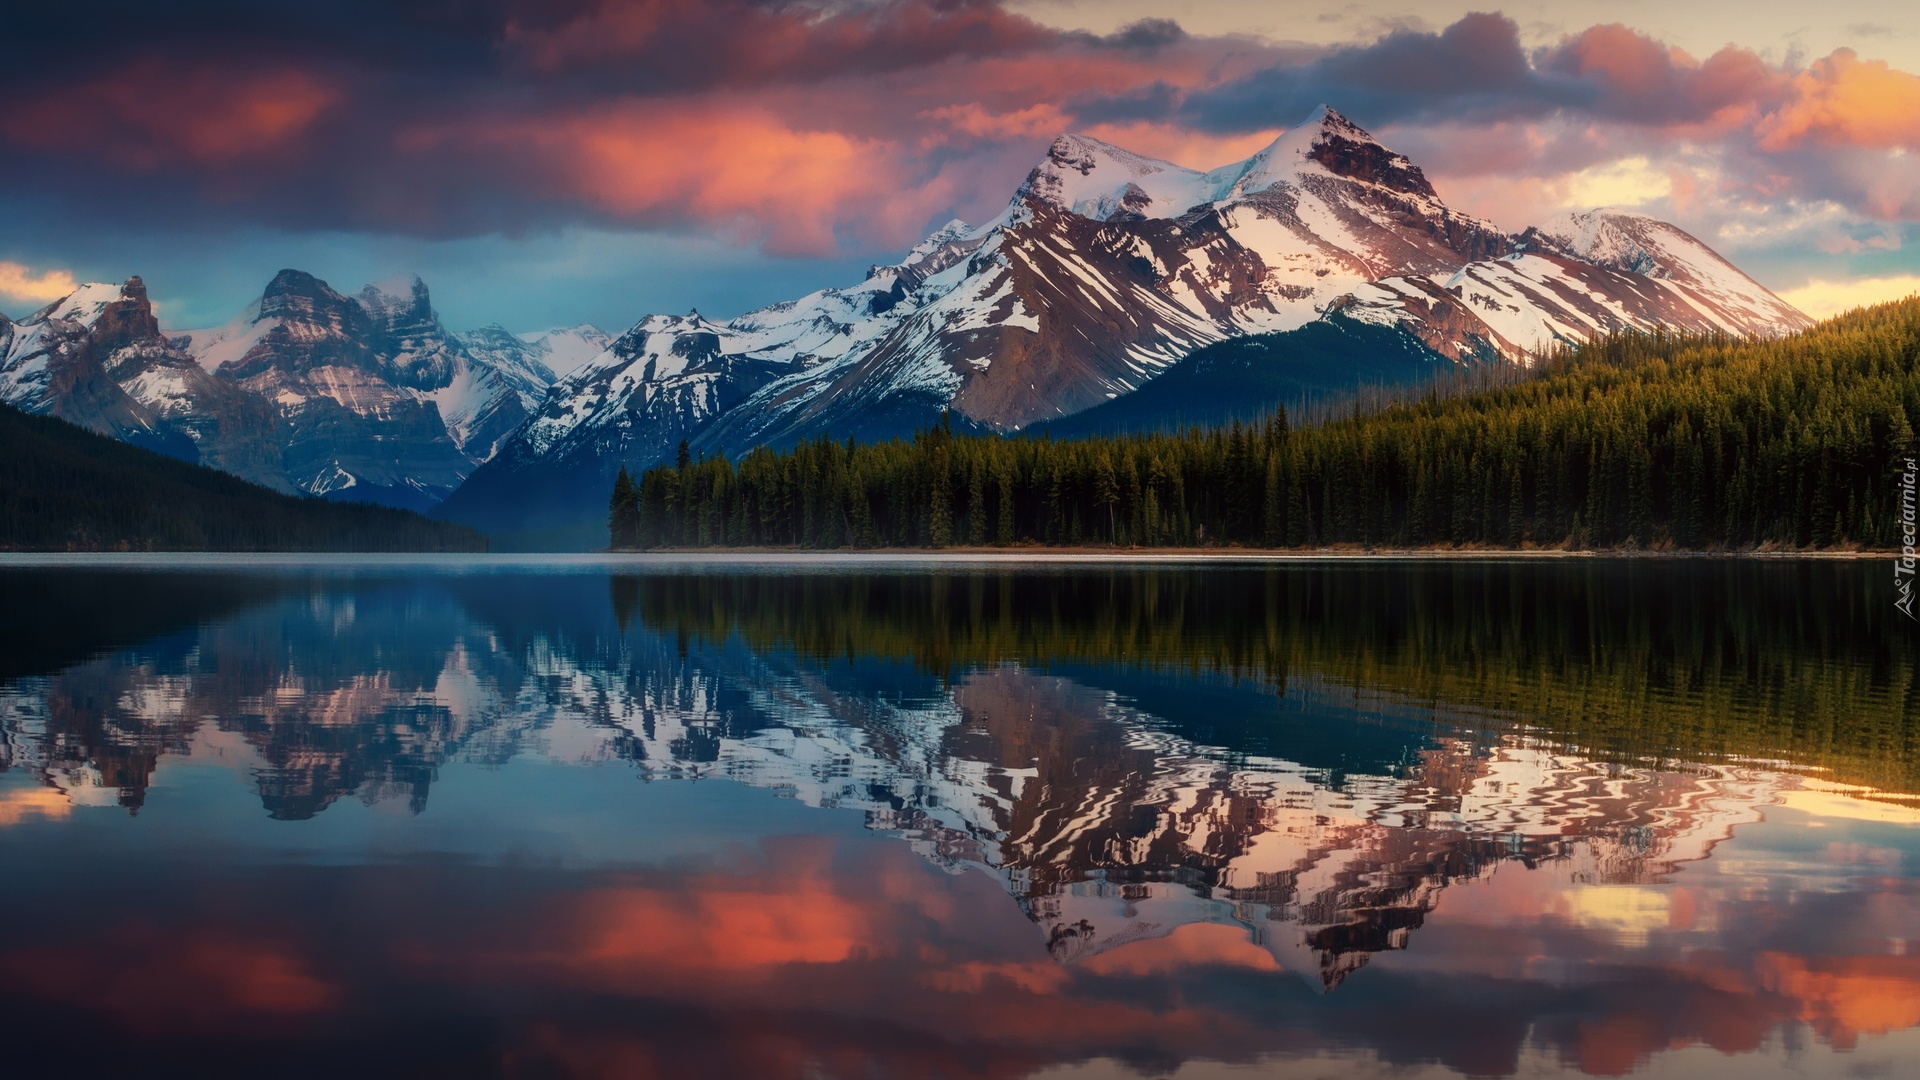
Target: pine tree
point(623, 512)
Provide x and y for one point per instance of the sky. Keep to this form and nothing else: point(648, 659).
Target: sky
point(549, 162)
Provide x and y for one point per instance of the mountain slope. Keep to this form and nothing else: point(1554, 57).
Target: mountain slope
point(1104, 271)
point(1247, 378)
point(66, 488)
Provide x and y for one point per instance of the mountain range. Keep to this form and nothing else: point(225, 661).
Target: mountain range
point(1114, 289)
point(365, 398)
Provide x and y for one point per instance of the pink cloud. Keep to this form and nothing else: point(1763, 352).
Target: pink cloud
point(1841, 100)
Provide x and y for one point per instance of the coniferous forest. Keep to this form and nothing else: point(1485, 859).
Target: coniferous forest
point(63, 488)
point(1635, 440)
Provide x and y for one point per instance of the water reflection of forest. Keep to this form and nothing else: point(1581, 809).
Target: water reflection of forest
point(1645, 661)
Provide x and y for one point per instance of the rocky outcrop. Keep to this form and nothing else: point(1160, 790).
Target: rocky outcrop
point(377, 399)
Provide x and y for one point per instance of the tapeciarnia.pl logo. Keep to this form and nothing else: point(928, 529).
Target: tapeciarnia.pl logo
point(1903, 570)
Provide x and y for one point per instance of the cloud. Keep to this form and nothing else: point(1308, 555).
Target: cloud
point(813, 126)
point(19, 282)
point(153, 113)
point(1825, 299)
point(744, 169)
point(1628, 182)
point(31, 804)
point(1841, 100)
point(688, 44)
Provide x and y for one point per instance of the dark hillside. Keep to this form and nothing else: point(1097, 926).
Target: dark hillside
point(63, 488)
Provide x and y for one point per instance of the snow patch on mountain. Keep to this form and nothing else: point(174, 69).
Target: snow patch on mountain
point(565, 349)
point(1637, 243)
point(214, 347)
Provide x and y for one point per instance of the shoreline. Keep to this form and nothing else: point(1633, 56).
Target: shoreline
point(876, 557)
point(1172, 554)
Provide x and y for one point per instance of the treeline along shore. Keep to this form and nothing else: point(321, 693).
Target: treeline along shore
point(1650, 441)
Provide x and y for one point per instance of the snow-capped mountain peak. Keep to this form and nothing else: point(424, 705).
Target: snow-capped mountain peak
point(1325, 142)
point(1098, 180)
point(1094, 179)
point(1631, 242)
point(83, 305)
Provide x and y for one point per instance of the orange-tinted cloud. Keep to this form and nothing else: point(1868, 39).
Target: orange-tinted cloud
point(1193, 945)
point(152, 114)
point(1841, 100)
point(1845, 997)
point(744, 169)
point(34, 803)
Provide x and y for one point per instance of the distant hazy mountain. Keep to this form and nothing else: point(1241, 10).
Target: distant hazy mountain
point(1106, 269)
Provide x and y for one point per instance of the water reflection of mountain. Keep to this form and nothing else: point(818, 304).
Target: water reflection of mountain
point(1312, 755)
point(1109, 829)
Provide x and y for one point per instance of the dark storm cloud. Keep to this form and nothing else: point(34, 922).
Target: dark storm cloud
point(1477, 69)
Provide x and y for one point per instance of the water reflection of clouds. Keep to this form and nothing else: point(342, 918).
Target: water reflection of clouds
point(812, 948)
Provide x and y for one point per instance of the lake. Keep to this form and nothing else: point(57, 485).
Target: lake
point(923, 818)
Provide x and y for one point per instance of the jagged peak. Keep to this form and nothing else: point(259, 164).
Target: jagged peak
point(587, 331)
point(401, 283)
point(1085, 153)
point(1571, 224)
point(493, 331)
point(1626, 239)
point(1326, 141)
point(295, 284)
point(927, 257)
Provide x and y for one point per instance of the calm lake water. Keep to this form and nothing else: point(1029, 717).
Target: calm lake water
point(637, 819)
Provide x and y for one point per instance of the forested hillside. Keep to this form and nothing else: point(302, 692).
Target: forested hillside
point(1634, 440)
point(66, 489)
